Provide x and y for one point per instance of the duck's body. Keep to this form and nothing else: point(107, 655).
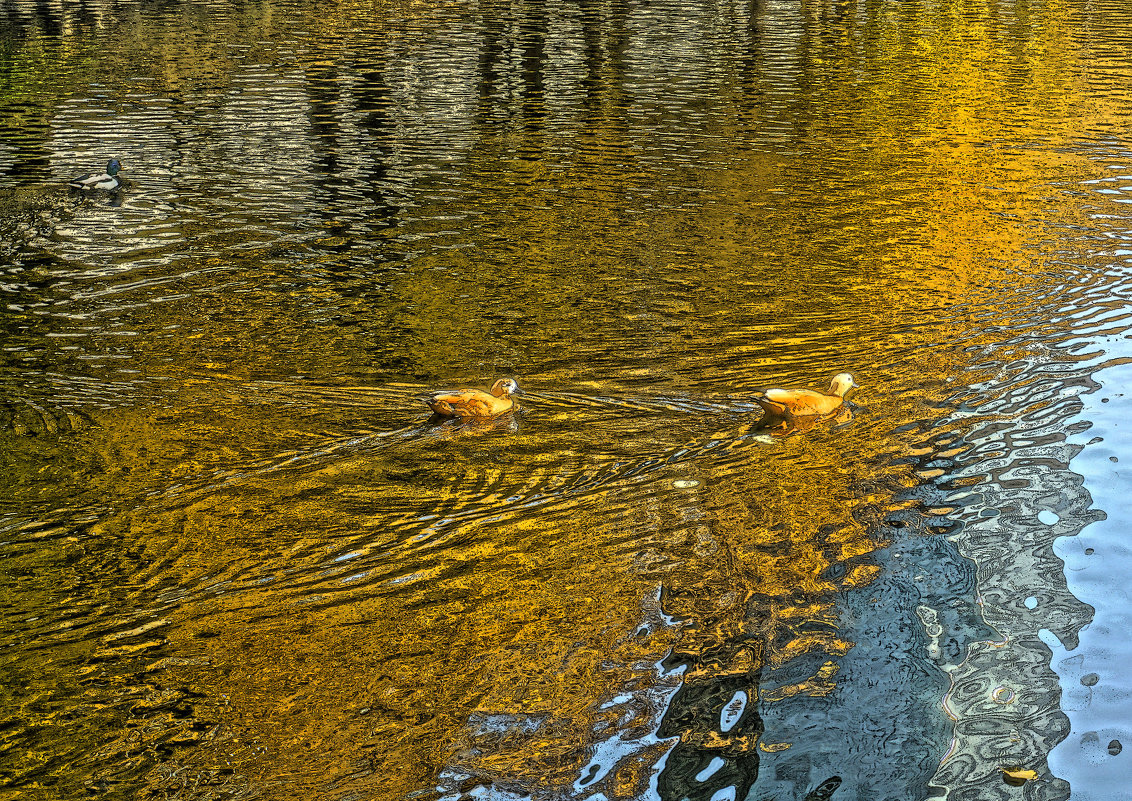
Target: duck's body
point(106, 181)
point(790, 403)
point(469, 404)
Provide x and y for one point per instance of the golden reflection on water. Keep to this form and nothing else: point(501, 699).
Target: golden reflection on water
point(340, 683)
point(523, 619)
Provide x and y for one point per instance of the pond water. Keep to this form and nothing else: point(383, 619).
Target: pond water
point(237, 560)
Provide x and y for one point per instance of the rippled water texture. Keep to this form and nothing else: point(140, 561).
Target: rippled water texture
point(237, 560)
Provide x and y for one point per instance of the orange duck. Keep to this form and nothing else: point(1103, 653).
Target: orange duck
point(475, 404)
point(791, 403)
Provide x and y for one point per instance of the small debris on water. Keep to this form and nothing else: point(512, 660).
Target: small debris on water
point(1003, 695)
point(685, 483)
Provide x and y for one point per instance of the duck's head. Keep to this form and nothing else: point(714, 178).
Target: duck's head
point(113, 166)
point(841, 383)
point(504, 387)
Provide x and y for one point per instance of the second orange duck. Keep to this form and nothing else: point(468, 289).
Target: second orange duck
point(473, 404)
point(791, 403)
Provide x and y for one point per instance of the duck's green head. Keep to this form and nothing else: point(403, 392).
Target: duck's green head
point(113, 166)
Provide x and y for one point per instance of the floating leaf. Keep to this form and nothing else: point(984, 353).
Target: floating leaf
point(772, 748)
point(1016, 777)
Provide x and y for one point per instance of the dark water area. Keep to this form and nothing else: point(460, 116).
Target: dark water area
point(237, 559)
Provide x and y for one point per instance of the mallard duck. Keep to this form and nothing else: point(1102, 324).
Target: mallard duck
point(789, 403)
point(468, 404)
point(108, 180)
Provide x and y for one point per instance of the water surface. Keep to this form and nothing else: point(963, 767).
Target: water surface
point(239, 560)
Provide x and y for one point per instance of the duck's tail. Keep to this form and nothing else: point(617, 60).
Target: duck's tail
point(770, 408)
